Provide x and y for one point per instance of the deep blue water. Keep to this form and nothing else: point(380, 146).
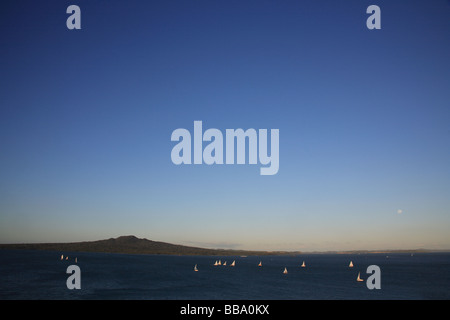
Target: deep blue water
point(42, 275)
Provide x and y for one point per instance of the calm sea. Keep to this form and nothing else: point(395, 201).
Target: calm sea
point(42, 275)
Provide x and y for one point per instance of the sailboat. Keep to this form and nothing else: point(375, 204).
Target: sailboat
point(225, 263)
point(219, 263)
point(76, 261)
point(62, 257)
point(260, 264)
point(359, 278)
point(233, 263)
point(195, 268)
point(285, 271)
point(351, 264)
point(303, 264)
point(67, 258)
point(215, 263)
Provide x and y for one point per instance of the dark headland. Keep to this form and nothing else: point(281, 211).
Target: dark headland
point(134, 245)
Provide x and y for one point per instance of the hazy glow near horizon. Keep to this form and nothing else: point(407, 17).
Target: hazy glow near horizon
point(86, 118)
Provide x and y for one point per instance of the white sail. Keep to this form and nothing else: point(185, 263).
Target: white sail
point(62, 257)
point(303, 264)
point(76, 260)
point(225, 263)
point(359, 278)
point(260, 264)
point(195, 268)
point(233, 263)
point(285, 271)
point(219, 263)
point(351, 264)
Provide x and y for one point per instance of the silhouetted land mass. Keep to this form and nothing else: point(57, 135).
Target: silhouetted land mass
point(134, 245)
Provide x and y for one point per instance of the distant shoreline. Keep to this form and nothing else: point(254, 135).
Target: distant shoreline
point(134, 245)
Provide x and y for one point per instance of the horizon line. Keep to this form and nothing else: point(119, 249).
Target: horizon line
point(337, 251)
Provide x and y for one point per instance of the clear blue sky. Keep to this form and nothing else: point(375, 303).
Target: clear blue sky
point(364, 117)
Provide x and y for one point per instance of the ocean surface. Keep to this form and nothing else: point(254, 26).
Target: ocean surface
point(42, 275)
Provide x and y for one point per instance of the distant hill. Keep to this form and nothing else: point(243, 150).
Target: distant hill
point(134, 245)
